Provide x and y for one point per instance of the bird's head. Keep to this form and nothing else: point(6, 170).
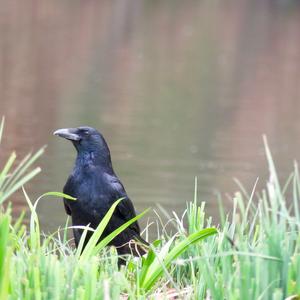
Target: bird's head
point(86, 140)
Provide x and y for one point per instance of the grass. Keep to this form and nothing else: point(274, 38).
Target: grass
point(253, 254)
point(13, 179)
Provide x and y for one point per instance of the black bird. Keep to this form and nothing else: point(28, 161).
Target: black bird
point(96, 186)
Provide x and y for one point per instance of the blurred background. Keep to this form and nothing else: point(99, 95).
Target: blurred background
point(178, 88)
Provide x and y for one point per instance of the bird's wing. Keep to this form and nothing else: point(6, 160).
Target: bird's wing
point(125, 209)
point(68, 191)
point(67, 207)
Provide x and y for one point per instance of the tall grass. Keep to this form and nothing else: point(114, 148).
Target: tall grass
point(33, 266)
point(254, 255)
point(13, 178)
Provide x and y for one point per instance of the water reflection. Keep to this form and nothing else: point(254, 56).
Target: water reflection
point(179, 89)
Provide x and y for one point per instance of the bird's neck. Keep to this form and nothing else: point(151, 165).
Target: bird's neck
point(87, 159)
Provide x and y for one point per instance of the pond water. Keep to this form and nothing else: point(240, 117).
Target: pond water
point(178, 88)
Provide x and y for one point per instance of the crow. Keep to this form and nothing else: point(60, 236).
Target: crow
point(96, 187)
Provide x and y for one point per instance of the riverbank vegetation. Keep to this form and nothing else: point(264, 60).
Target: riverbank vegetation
point(254, 253)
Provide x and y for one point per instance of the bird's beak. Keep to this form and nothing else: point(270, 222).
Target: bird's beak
point(68, 133)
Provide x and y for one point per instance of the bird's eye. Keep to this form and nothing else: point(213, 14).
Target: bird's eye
point(85, 132)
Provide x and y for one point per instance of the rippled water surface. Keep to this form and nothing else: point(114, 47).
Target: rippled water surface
point(178, 88)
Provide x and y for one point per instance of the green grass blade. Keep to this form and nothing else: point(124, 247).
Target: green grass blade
point(82, 240)
point(13, 175)
point(59, 195)
point(148, 261)
point(6, 169)
point(112, 235)
point(4, 267)
point(1, 128)
point(88, 250)
point(35, 241)
point(24, 167)
point(20, 183)
point(154, 262)
point(157, 270)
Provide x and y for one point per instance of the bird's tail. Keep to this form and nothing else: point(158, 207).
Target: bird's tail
point(137, 246)
point(141, 240)
point(141, 245)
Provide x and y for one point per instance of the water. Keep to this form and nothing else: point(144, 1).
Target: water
point(178, 88)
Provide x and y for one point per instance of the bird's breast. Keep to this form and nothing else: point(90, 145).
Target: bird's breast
point(91, 193)
point(95, 193)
